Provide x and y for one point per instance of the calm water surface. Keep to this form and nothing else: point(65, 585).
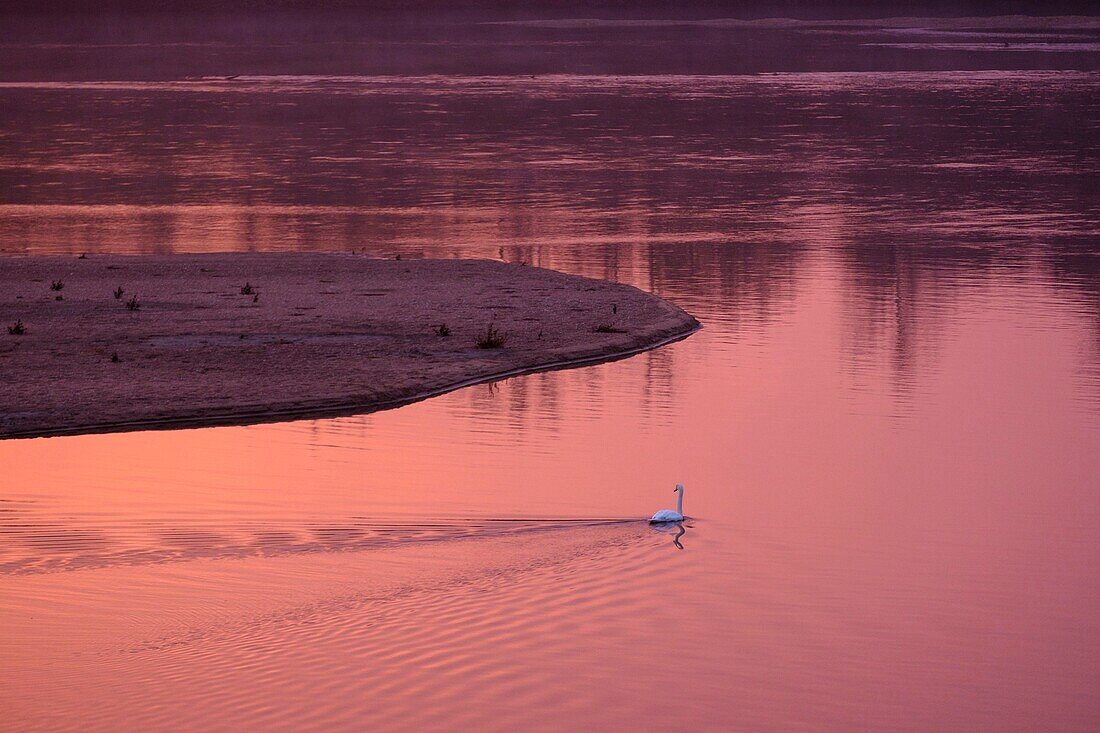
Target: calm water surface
point(889, 427)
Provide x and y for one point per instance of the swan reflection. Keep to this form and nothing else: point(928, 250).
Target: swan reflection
point(676, 529)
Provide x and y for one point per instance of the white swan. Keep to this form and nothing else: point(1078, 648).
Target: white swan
point(668, 515)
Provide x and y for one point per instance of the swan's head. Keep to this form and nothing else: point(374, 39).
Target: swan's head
point(679, 487)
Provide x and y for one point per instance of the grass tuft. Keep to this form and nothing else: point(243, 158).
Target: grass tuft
point(118, 292)
point(607, 328)
point(17, 329)
point(57, 285)
point(491, 339)
point(441, 330)
point(132, 303)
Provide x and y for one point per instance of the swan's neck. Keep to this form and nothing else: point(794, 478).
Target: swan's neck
point(680, 502)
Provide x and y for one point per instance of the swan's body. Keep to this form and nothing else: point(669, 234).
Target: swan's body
point(667, 515)
point(671, 515)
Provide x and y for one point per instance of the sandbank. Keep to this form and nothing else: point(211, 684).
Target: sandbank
point(196, 340)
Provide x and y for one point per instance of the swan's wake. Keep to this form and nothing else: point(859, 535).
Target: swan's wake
point(37, 547)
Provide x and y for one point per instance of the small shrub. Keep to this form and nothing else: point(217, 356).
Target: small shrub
point(607, 328)
point(132, 303)
point(491, 339)
point(114, 357)
point(17, 329)
point(441, 330)
point(118, 293)
point(57, 285)
point(246, 289)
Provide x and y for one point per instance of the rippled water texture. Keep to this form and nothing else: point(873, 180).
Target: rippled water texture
point(889, 427)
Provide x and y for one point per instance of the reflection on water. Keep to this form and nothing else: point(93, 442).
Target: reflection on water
point(920, 188)
point(676, 529)
point(864, 546)
point(889, 421)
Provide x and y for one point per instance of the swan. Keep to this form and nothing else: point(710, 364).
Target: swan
point(668, 515)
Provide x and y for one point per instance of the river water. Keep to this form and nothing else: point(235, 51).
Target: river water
point(889, 426)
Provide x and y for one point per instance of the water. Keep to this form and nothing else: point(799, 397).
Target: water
point(888, 427)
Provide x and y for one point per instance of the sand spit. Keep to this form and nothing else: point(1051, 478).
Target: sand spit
point(197, 340)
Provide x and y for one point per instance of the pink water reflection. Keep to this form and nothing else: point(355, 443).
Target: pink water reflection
point(865, 554)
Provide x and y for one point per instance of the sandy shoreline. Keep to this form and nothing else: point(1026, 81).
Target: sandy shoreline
point(319, 335)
